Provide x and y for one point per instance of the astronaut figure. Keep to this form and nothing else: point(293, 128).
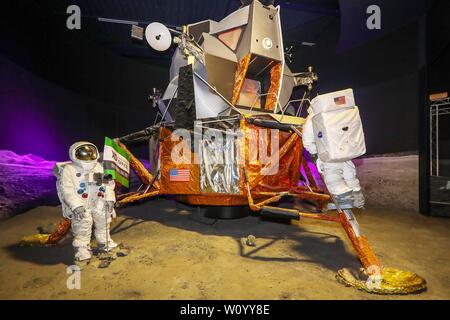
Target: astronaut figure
point(346, 136)
point(87, 198)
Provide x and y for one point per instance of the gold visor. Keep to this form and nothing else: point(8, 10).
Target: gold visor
point(86, 152)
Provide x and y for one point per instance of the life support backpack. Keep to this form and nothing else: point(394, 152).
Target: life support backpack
point(57, 171)
point(337, 126)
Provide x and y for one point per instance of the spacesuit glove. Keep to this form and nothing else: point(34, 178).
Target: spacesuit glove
point(113, 214)
point(109, 206)
point(79, 213)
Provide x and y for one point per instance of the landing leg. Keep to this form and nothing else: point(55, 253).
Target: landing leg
point(375, 278)
point(362, 247)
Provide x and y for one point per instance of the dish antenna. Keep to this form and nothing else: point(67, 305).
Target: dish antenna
point(158, 36)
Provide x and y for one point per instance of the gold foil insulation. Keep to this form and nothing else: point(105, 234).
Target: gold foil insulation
point(365, 253)
point(61, 230)
point(380, 280)
point(34, 240)
point(389, 281)
point(134, 197)
point(201, 187)
point(275, 82)
point(167, 146)
point(289, 159)
point(241, 72)
point(145, 176)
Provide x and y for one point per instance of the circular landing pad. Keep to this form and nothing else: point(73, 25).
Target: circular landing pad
point(226, 212)
point(34, 240)
point(391, 281)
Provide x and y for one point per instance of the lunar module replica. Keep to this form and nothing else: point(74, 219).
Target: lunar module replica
point(229, 139)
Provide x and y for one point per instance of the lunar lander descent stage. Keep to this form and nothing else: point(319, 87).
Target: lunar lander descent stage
point(230, 77)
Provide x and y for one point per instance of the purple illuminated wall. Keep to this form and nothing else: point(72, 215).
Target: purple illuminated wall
point(26, 128)
point(28, 123)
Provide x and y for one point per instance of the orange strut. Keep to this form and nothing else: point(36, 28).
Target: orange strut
point(145, 176)
point(281, 153)
point(363, 249)
point(60, 231)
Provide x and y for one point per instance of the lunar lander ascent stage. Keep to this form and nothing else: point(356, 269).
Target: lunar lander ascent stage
point(230, 77)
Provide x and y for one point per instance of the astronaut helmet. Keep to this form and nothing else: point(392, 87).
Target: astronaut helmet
point(84, 154)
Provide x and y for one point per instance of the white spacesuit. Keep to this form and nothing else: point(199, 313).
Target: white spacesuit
point(339, 176)
point(87, 198)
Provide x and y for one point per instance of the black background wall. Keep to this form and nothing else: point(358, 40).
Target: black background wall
point(384, 76)
point(435, 77)
point(439, 64)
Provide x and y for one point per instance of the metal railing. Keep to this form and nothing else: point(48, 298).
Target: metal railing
point(437, 109)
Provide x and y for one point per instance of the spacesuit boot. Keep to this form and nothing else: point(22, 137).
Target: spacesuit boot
point(81, 231)
point(352, 181)
point(358, 199)
point(102, 231)
point(111, 246)
point(344, 201)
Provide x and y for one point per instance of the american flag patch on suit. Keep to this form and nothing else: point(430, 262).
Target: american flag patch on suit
point(339, 100)
point(179, 175)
